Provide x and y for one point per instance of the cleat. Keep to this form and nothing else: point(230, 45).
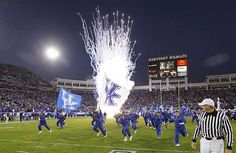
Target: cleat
point(105, 135)
point(130, 138)
point(177, 145)
point(50, 131)
point(158, 137)
point(136, 131)
point(125, 138)
point(40, 132)
point(98, 134)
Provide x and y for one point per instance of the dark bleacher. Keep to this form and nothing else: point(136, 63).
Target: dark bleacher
point(20, 75)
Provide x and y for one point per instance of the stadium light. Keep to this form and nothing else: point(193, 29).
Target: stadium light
point(52, 53)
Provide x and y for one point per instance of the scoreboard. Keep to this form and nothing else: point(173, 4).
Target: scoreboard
point(168, 66)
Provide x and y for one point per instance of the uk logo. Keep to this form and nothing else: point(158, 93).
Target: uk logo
point(110, 90)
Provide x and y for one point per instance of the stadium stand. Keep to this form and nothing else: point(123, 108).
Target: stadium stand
point(20, 75)
point(23, 91)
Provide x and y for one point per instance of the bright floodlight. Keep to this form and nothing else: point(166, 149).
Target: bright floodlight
point(52, 53)
point(111, 53)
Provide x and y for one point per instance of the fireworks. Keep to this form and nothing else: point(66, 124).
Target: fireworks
point(111, 53)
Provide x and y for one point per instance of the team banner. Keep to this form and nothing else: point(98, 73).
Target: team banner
point(112, 98)
point(67, 100)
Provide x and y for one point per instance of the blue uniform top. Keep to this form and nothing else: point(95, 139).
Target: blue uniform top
point(147, 116)
point(158, 120)
point(42, 119)
point(93, 119)
point(101, 116)
point(234, 114)
point(98, 118)
point(153, 117)
point(179, 122)
point(61, 118)
point(57, 115)
point(125, 120)
point(194, 115)
point(166, 116)
point(134, 117)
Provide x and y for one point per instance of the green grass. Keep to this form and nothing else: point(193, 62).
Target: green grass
point(78, 137)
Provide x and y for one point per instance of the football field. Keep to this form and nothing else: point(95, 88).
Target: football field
point(78, 137)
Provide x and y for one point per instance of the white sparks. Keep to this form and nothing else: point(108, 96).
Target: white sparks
point(111, 54)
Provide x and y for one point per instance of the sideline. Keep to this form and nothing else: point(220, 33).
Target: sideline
point(96, 146)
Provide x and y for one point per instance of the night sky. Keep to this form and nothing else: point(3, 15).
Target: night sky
point(206, 32)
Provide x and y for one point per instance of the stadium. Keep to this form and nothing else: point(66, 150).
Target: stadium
point(24, 95)
point(74, 79)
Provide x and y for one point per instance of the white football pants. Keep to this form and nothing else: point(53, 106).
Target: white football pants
point(211, 146)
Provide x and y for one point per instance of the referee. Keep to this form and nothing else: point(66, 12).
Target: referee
point(214, 126)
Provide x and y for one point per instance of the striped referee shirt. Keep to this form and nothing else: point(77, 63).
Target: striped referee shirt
point(213, 125)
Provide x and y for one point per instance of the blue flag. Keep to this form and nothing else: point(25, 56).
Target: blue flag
point(67, 100)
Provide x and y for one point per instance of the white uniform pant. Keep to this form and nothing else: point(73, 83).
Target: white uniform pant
point(211, 146)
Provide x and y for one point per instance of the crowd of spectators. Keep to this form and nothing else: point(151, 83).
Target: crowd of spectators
point(25, 98)
point(23, 91)
point(227, 96)
point(20, 75)
point(191, 97)
point(15, 98)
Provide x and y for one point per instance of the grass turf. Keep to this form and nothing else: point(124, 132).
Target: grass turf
point(78, 137)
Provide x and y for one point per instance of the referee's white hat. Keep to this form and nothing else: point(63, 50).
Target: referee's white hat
point(207, 101)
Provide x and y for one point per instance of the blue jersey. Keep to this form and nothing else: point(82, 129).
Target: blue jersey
point(125, 120)
point(98, 118)
point(57, 115)
point(233, 114)
point(42, 119)
point(101, 116)
point(153, 117)
point(158, 120)
point(166, 117)
point(147, 116)
point(194, 115)
point(134, 117)
point(27, 116)
point(179, 122)
point(61, 118)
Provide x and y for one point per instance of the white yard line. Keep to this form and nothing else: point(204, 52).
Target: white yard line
point(73, 138)
point(13, 122)
point(97, 146)
point(7, 127)
point(22, 152)
point(40, 147)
